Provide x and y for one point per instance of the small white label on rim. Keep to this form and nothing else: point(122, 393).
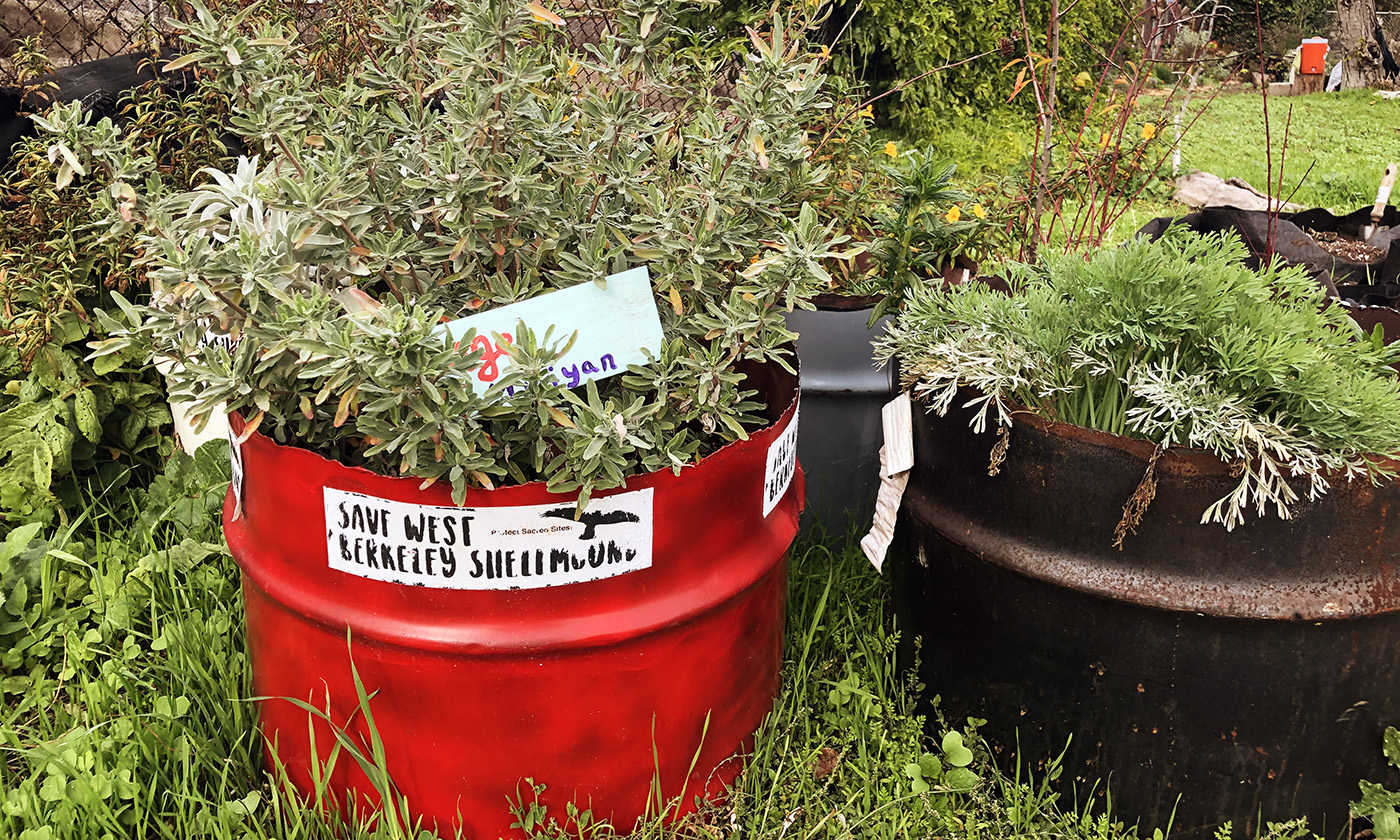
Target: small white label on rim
point(235, 456)
point(781, 465)
point(613, 328)
point(897, 422)
point(488, 548)
point(896, 460)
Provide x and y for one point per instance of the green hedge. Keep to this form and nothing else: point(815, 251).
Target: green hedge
point(893, 40)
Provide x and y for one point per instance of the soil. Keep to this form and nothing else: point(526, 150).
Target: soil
point(1347, 249)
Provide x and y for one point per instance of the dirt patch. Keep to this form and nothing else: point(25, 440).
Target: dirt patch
point(1347, 249)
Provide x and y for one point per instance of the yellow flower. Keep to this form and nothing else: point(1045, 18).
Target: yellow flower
point(1149, 131)
point(979, 211)
point(866, 112)
point(825, 52)
point(954, 213)
point(1103, 141)
point(573, 67)
point(891, 149)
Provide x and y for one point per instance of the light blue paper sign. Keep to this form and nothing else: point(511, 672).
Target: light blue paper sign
point(614, 326)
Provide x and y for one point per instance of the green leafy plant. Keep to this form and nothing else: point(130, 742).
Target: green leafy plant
point(1176, 342)
point(921, 231)
point(947, 771)
point(1381, 806)
point(460, 163)
point(64, 419)
point(900, 207)
point(916, 42)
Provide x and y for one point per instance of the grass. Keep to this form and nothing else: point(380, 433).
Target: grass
point(1336, 150)
point(124, 711)
point(1346, 139)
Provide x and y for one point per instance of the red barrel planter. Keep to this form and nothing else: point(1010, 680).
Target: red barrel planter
point(600, 689)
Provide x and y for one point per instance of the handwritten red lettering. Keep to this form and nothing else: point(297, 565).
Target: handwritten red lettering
point(490, 369)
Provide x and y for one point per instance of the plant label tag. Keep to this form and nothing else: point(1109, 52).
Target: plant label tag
point(614, 326)
point(781, 464)
point(488, 548)
point(897, 422)
point(896, 460)
point(235, 456)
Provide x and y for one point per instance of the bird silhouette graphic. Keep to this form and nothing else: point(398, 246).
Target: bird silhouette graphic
point(591, 519)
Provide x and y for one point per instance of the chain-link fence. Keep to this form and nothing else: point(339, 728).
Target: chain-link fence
point(75, 31)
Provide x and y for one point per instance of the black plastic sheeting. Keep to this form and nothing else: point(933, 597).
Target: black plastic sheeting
point(1361, 283)
point(98, 85)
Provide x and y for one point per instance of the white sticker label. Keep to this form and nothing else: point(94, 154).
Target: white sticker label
point(235, 456)
point(782, 463)
point(897, 422)
point(614, 326)
point(522, 547)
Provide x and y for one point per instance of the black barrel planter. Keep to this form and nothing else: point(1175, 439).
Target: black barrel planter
point(839, 435)
point(1250, 673)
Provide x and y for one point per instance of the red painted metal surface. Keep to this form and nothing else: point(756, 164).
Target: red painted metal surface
point(595, 689)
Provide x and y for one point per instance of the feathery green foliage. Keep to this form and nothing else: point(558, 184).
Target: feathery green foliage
point(1176, 342)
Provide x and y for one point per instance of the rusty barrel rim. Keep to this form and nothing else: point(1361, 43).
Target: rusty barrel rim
point(1249, 573)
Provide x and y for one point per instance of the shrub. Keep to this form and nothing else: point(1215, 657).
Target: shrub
point(463, 164)
point(1176, 342)
point(63, 419)
point(898, 41)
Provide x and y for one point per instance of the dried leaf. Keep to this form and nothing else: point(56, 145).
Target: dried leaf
point(342, 409)
point(250, 427)
point(543, 15)
point(760, 150)
point(182, 62)
point(560, 417)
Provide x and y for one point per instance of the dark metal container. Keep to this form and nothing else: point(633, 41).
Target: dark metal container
point(1204, 675)
point(839, 436)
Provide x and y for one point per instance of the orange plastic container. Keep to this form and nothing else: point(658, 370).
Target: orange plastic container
point(1314, 56)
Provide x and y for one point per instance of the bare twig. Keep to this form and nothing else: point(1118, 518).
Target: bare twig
point(1271, 213)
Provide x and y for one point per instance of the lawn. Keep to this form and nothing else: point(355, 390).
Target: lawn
point(1328, 150)
point(1332, 147)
